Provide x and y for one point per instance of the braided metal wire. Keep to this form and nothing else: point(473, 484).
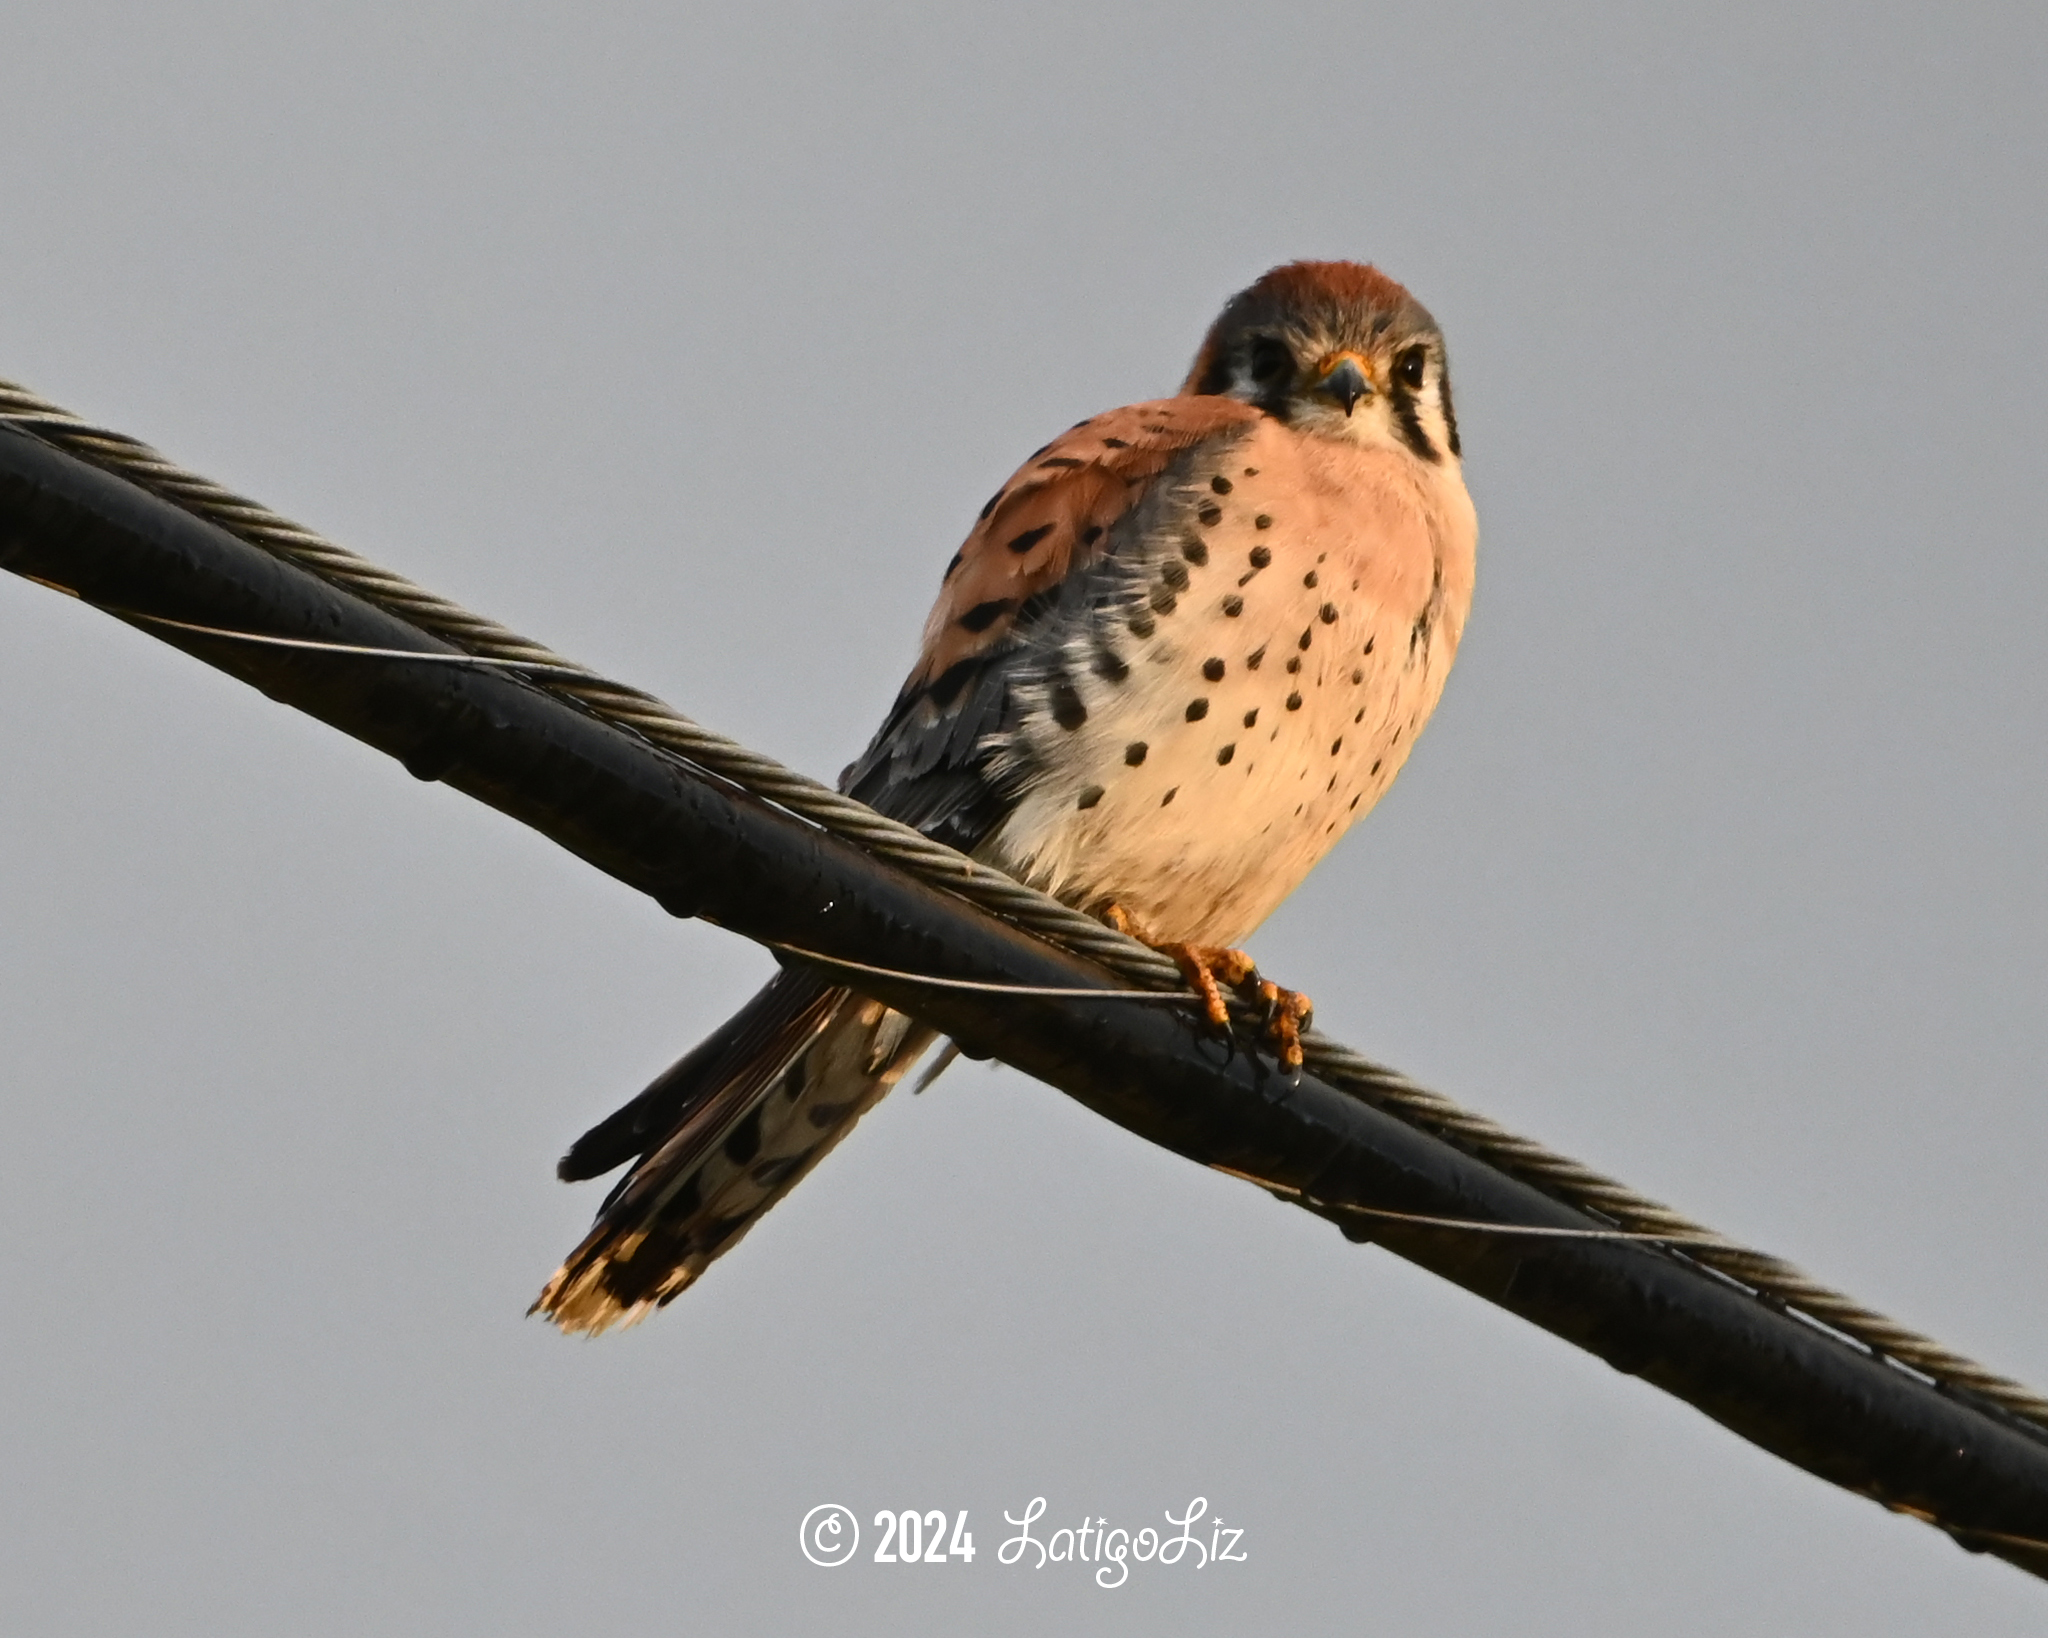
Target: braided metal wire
point(660, 724)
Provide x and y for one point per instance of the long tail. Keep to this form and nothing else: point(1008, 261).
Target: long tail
point(722, 1136)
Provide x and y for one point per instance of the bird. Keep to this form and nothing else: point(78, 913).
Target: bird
point(1183, 648)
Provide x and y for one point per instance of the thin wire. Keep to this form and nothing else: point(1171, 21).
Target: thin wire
point(1472, 1225)
point(319, 646)
point(932, 862)
point(1063, 992)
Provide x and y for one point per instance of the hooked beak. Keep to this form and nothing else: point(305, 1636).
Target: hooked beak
point(1346, 381)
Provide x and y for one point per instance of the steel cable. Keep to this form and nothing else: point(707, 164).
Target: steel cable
point(660, 724)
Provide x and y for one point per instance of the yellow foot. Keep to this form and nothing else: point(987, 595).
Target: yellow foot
point(1288, 1013)
point(1208, 967)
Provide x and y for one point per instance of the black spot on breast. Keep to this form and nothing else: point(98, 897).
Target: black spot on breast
point(1213, 670)
point(1224, 755)
point(1251, 472)
point(1293, 664)
point(1067, 709)
point(1220, 484)
point(1354, 800)
point(1169, 796)
point(1109, 665)
point(1294, 702)
point(1209, 512)
point(1311, 579)
point(1175, 574)
point(1163, 599)
point(1308, 634)
point(1251, 660)
point(1251, 717)
point(1375, 765)
point(1141, 624)
point(1233, 606)
point(994, 501)
point(1261, 556)
point(1197, 710)
point(1089, 797)
point(1360, 717)
point(1134, 753)
point(1338, 746)
point(1030, 538)
point(1327, 614)
point(1061, 461)
point(1262, 521)
point(1357, 674)
point(984, 615)
point(1195, 551)
point(1117, 443)
point(1369, 642)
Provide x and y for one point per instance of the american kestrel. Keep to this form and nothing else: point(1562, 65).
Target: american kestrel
point(1182, 650)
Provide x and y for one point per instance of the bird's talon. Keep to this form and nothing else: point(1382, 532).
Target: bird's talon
point(1200, 967)
point(1208, 967)
point(1289, 1012)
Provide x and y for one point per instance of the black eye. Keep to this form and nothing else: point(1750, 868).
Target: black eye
point(1271, 362)
point(1414, 365)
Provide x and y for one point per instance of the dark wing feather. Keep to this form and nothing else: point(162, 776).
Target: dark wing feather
point(1034, 558)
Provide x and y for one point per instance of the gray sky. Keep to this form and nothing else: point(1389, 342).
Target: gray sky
point(691, 346)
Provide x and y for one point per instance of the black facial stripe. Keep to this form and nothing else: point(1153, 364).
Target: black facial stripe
point(1443, 398)
point(1271, 368)
point(1409, 425)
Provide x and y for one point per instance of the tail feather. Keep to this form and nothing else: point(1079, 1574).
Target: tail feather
point(758, 1041)
point(737, 1146)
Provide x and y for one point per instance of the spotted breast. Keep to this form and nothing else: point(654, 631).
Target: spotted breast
point(1219, 641)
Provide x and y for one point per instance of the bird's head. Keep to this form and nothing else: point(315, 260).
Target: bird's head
point(1338, 350)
